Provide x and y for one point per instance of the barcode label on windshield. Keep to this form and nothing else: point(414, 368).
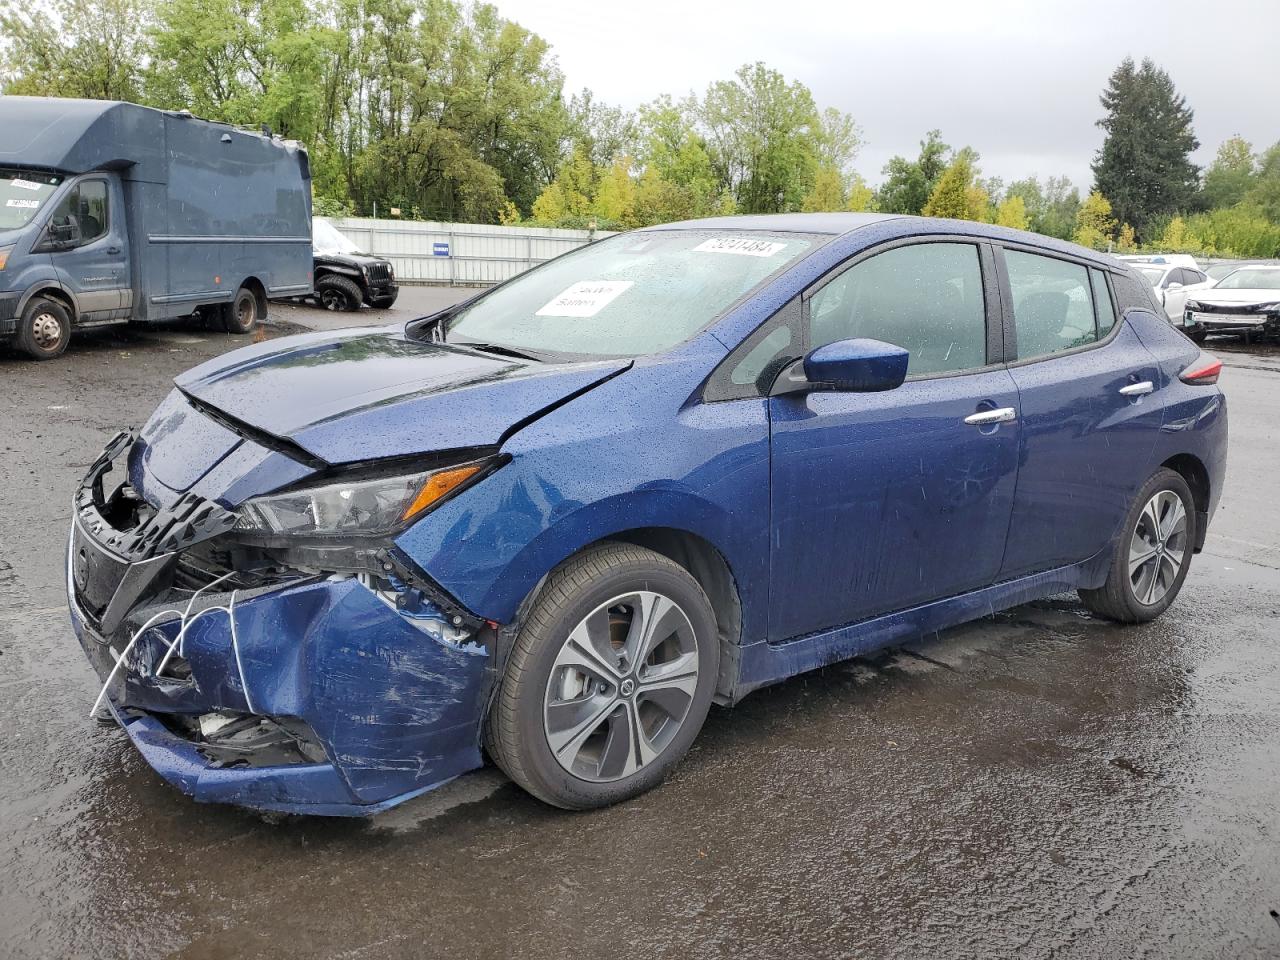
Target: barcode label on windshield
point(743, 246)
point(22, 204)
point(25, 184)
point(585, 298)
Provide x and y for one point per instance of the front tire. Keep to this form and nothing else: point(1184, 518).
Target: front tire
point(609, 681)
point(1153, 555)
point(338, 293)
point(44, 329)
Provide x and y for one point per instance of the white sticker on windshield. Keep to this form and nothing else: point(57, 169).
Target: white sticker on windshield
point(743, 246)
point(22, 204)
point(585, 298)
point(25, 184)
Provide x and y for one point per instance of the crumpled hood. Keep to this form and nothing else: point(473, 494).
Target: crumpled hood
point(1232, 298)
point(372, 393)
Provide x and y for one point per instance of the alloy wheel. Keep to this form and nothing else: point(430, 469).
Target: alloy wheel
point(333, 299)
point(1158, 547)
point(621, 686)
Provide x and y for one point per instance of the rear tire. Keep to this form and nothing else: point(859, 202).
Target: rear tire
point(623, 705)
point(241, 314)
point(1153, 555)
point(338, 293)
point(44, 329)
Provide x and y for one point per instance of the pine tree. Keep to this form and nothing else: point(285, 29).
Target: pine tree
point(956, 195)
point(1144, 166)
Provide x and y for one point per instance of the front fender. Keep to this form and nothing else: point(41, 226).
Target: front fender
point(704, 471)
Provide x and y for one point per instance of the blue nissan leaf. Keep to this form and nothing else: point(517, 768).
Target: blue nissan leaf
point(555, 523)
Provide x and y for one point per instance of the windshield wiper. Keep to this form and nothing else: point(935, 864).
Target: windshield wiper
point(499, 348)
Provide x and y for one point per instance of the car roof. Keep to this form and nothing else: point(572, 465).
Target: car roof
point(840, 224)
point(829, 223)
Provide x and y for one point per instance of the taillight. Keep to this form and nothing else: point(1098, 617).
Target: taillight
point(1203, 372)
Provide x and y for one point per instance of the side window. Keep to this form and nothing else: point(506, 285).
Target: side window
point(86, 206)
point(1052, 304)
point(1102, 303)
point(926, 298)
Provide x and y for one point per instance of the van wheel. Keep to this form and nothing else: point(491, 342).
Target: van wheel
point(334, 292)
point(241, 314)
point(44, 329)
point(1153, 555)
point(609, 681)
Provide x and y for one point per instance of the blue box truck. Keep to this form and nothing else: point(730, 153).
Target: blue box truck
point(112, 212)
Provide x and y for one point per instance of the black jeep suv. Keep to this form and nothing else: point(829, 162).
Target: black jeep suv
point(345, 277)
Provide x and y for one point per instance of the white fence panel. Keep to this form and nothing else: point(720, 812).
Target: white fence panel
point(470, 254)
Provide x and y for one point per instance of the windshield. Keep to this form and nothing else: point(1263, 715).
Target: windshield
point(1152, 274)
point(1251, 278)
point(22, 194)
point(1220, 270)
point(325, 238)
point(629, 295)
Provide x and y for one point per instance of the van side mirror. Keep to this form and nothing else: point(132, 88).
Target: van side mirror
point(851, 366)
point(65, 233)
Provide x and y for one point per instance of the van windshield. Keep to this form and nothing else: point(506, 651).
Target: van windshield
point(629, 295)
point(22, 194)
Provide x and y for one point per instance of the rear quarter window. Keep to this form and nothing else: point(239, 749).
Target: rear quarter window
point(1133, 293)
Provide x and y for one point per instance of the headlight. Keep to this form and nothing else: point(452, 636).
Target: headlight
point(355, 507)
point(4, 256)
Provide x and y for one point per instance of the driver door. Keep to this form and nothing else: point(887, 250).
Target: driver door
point(883, 501)
point(94, 263)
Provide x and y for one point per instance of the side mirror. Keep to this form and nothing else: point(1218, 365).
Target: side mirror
point(1174, 286)
point(66, 232)
point(851, 366)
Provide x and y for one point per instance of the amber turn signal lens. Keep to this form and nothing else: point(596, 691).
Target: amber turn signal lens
point(4, 256)
point(437, 485)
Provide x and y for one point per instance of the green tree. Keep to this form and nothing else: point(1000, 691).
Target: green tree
point(1012, 212)
point(762, 133)
point(1144, 165)
point(1265, 192)
point(862, 198)
point(1239, 231)
point(827, 193)
point(614, 203)
point(958, 194)
point(908, 183)
point(1231, 174)
point(1178, 238)
point(1095, 225)
point(89, 49)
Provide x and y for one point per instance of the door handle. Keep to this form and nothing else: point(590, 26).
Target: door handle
point(113, 250)
point(1137, 389)
point(984, 418)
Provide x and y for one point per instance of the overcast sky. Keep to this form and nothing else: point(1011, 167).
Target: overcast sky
point(1019, 82)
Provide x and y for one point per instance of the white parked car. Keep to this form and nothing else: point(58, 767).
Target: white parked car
point(1244, 301)
point(1173, 281)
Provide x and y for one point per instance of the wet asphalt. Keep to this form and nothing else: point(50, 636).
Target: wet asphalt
point(1040, 784)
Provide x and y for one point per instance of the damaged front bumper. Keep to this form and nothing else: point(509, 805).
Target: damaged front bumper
point(334, 695)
